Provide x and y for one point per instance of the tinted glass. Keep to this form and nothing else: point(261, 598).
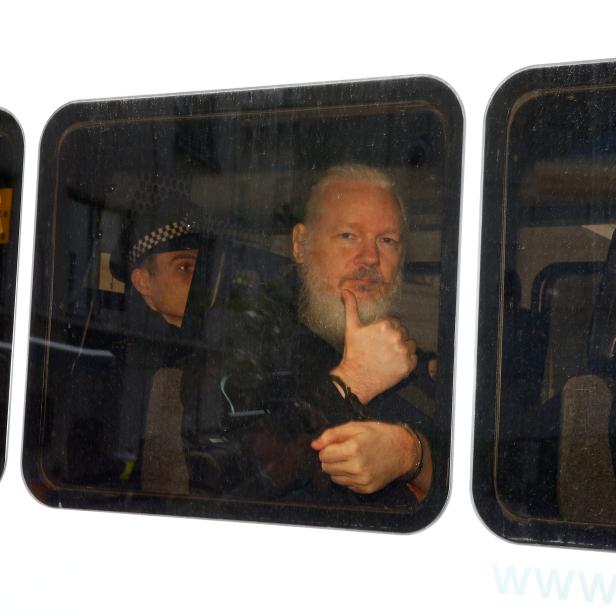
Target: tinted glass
point(169, 370)
point(545, 446)
point(11, 164)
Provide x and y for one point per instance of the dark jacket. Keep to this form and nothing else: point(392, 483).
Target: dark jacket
point(264, 450)
point(149, 345)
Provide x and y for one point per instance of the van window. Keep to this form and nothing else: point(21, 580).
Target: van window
point(11, 167)
point(187, 306)
point(545, 440)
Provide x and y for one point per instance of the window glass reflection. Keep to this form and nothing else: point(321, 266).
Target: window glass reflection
point(11, 162)
point(191, 351)
point(551, 335)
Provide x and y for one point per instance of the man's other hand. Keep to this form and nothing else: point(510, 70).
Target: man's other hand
point(376, 356)
point(365, 456)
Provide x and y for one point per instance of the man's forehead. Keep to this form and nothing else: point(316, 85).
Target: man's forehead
point(346, 197)
point(174, 255)
point(180, 254)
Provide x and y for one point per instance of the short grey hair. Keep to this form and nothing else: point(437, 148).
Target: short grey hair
point(352, 172)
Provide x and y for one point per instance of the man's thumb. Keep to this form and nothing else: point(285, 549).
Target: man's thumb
point(351, 311)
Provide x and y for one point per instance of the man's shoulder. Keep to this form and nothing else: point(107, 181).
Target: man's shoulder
point(150, 343)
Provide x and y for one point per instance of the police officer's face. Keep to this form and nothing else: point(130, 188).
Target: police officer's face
point(164, 282)
point(355, 242)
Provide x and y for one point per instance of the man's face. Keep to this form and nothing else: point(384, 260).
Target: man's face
point(164, 282)
point(355, 243)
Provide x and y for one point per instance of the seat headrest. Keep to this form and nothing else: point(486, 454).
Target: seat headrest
point(602, 339)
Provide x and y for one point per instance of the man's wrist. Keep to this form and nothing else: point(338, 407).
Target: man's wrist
point(356, 387)
point(417, 463)
point(348, 394)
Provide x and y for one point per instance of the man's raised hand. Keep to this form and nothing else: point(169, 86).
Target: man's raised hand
point(376, 356)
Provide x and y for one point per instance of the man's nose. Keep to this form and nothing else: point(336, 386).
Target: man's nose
point(368, 253)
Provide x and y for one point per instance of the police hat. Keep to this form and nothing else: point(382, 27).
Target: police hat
point(161, 219)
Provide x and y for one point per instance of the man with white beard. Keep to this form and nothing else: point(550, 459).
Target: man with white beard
point(350, 250)
point(335, 430)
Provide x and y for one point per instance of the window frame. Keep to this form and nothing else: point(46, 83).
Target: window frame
point(505, 103)
point(426, 91)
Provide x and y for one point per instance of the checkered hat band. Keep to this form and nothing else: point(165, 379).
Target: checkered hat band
point(158, 236)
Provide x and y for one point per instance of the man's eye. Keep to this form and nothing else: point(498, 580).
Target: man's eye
point(389, 240)
point(186, 267)
point(346, 235)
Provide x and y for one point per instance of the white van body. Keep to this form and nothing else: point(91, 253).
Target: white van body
point(83, 562)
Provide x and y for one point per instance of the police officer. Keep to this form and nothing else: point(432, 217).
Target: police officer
point(155, 257)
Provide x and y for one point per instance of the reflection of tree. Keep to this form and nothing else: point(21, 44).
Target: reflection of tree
point(262, 325)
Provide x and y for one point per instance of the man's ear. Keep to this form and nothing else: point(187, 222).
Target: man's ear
point(140, 277)
point(299, 240)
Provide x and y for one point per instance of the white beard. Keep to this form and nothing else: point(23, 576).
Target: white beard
point(323, 311)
